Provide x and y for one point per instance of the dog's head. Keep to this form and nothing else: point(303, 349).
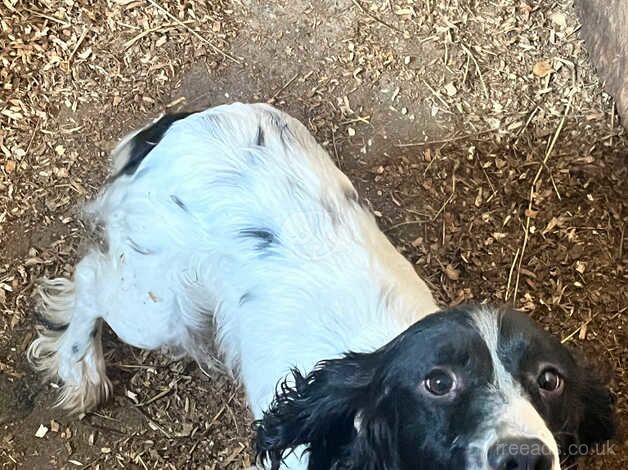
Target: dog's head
point(467, 388)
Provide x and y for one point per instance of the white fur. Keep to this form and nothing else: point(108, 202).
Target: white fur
point(181, 266)
point(515, 416)
point(176, 263)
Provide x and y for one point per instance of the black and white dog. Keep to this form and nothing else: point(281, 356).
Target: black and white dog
point(233, 224)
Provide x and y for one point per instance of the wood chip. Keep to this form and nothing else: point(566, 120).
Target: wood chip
point(41, 431)
point(452, 273)
point(542, 69)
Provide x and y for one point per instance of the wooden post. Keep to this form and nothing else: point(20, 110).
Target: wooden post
point(605, 33)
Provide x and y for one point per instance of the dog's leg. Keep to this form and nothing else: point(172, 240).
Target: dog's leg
point(69, 343)
point(130, 292)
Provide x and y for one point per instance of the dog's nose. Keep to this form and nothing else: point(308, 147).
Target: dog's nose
point(520, 454)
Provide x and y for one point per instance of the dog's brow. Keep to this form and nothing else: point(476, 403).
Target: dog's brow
point(487, 324)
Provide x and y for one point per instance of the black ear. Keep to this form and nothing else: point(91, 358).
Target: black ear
point(319, 411)
point(598, 420)
point(376, 445)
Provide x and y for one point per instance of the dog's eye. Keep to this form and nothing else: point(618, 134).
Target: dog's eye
point(439, 382)
point(550, 380)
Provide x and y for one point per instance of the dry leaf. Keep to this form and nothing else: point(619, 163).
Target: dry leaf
point(560, 19)
point(41, 431)
point(452, 273)
point(555, 222)
point(10, 166)
point(85, 54)
point(580, 267)
point(404, 11)
point(542, 69)
point(450, 89)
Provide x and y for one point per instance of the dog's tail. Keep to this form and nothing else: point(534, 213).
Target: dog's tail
point(69, 348)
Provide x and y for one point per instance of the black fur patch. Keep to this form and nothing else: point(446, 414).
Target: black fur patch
point(399, 428)
point(245, 298)
point(135, 247)
point(352, 195)
point(146, 140)
point(265, 237)
point(178, 202)
point(50, 325)
point(285, 133)
point(260, 139)
point(583, 412)
point(401, 425)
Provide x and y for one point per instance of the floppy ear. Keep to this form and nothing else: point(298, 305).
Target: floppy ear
point(375, 446)
point(598, 420)
point(319, 411)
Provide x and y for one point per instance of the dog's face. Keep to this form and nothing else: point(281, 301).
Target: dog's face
point(467, 388)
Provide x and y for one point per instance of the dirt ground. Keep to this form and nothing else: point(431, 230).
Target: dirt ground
point(476, 129)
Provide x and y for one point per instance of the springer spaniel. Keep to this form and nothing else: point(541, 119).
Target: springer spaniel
point(234, 225)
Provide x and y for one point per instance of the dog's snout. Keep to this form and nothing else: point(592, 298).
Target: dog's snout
point(520, 454)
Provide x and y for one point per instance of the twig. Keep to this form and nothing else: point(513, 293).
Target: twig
point(152, 424)
point(446, 141)
point(379, 20)
point(78, 44)
point(333, 140)
point(437, 95)
point(192, 32)
point(92, 463)
point(525, 126)
point(176, 102)
point(30, 142)
point(272, 99)
point(620, 251)
point(364, 120)
point(612, 122)
point(526, 234)
point(577, 330)
point(401, 224)
point(494, 191)
point(477, 67)
point(512, 270)
point(161, 394)
point(51, 18)
point(442, 208)
point(146, 32)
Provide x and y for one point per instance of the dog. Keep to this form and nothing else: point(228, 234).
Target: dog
point(231, 229)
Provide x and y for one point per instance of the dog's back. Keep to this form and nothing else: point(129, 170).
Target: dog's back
point(235, 218)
